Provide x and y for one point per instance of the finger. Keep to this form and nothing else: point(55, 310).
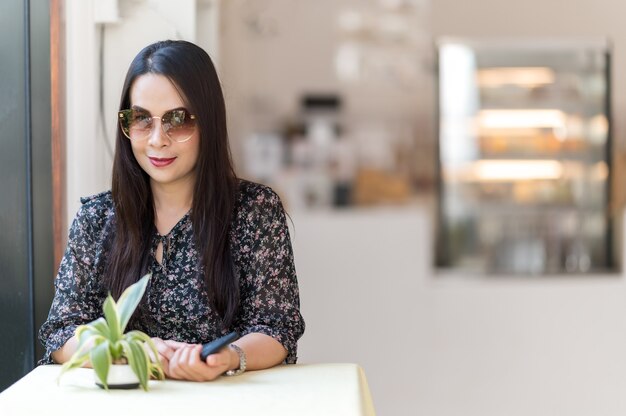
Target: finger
point(219, 359)
point(162, 348)
point(211, 373)
point(174, 368)
point(193, 363)
point(183, 369)
point(165, 365)
point(194, 356)
point(176, 345)
point(184, 357)
point(218, 364)
point(199, 370)
point(149, 351)
point(196, 368)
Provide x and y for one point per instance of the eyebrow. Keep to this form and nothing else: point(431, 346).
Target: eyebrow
point(139, 108)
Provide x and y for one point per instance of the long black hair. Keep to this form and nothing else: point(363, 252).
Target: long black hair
point(191, 71)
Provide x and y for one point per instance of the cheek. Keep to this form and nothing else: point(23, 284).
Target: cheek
point(138, 150)
point(194, 150)
point(135, 147)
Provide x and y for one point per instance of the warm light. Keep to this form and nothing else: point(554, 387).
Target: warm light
point(525, 77)
point(600, 172)
point(598, 128)
point(510, 133)
point(513, 119)
point(510, 170)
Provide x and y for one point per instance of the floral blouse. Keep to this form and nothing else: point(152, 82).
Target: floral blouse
point(176, 305)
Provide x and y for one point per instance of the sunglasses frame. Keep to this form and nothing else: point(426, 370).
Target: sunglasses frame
point(125, 114)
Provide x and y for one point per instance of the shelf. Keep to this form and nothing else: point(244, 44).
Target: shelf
point(523, 153)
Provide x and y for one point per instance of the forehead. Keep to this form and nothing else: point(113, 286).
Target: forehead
point(156, 93)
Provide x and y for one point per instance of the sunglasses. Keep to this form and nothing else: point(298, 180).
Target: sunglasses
point(137, 124)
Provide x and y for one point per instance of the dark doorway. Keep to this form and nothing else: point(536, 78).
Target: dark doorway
point(26, 253)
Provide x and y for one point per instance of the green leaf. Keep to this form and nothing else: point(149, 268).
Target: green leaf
point(77, 362)
point(101, 326)
point(156, 371)
point(127, 303)
point(103, 340)
point(116, 351)
point(142, 337)
point(101, 361)
point(136, 364)
point(138, 336)
point(155, 366)
point(140, 357)
point(128, 353)
point(88, 342)
point(89, 331)
point(110, 314)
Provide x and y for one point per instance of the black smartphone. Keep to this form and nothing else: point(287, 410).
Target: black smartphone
point(216, 345)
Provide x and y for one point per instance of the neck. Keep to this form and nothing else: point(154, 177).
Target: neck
point(173, 198)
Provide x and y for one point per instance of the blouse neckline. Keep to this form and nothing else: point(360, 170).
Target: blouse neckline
point(176, 226)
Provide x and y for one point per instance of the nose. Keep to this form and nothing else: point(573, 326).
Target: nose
point(157, 136)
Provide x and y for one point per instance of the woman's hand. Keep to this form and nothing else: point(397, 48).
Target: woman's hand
point(186, 363)
point(182, 361)
point(166, 352)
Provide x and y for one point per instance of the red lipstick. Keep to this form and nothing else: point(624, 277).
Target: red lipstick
point(161, 162)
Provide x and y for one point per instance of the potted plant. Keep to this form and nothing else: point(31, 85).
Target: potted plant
point(119, 360)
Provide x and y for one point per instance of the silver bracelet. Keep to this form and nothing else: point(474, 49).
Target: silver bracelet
point(242, 362)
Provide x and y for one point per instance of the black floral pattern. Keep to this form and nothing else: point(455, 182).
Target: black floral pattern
point(177, 305)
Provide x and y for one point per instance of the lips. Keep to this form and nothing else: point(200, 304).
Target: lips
point(160, 162)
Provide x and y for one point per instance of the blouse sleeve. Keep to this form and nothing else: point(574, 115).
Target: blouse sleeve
point(270, 301)
point(76, 300)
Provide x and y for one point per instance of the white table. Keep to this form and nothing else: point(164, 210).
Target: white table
point(294, 390)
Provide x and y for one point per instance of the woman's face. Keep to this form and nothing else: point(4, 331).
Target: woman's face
point(166, 161)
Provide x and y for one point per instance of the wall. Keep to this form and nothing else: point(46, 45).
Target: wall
point(455, 345)
point(84, 151)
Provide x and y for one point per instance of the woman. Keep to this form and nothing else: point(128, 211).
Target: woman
point(218, 247)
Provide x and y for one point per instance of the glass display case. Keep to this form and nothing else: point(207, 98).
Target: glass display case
point(524, 146)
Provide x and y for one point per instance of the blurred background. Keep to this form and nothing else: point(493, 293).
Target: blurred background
point(454, 172)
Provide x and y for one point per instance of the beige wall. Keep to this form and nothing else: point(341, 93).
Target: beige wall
point(452, 345)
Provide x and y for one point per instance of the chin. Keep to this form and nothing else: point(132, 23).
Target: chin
point(163, 179)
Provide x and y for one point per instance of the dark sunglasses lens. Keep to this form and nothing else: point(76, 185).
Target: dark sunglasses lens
point(179, 125)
